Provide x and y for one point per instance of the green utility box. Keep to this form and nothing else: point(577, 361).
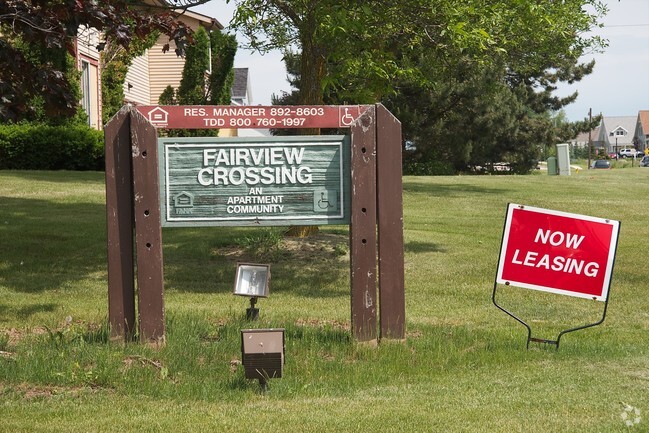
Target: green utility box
point(552, 166)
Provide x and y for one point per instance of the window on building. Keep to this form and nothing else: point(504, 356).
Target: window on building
point(85, 89)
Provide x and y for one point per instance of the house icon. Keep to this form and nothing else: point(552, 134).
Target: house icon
point(158, 117)
point(183, 200)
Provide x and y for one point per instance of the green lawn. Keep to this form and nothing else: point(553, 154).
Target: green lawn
point(462, 368)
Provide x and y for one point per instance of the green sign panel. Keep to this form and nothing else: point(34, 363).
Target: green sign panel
point(240, 181)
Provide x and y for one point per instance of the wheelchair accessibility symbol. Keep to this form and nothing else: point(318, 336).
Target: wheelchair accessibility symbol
point(325, 200)
point(347, 118)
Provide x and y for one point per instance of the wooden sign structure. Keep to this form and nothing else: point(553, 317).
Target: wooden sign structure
point(134, 220)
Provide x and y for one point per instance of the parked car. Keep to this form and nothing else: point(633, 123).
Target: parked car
point(601, 163)
point(644, 162)
point(630, 153)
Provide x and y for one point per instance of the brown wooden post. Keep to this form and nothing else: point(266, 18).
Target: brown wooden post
point(119, 222)
point(363, 226)
point(148, 230)
point(390, 225)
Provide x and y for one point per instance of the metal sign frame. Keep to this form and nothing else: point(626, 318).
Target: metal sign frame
point(609, 262)
point(134, 218)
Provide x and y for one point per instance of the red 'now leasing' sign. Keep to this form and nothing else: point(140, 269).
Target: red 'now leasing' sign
point(557, 252)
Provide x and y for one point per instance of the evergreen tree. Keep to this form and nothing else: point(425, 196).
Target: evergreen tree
point(224, 48)
point(168, 96)
point(193, 89)
point(206, 78)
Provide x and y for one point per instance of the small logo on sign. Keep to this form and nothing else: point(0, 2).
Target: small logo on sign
point(158, 117)
point(183, 203)
point(347, 115)
point(325, 200)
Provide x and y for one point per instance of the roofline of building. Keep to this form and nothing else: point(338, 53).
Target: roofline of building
point(204, 19)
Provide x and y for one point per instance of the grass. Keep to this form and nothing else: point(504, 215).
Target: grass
point(463, 367)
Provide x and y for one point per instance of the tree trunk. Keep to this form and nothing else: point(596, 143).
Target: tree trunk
point(312, 71)
point(302, 231)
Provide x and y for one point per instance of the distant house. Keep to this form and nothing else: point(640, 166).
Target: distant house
point(641, 133)
point(240, 93)
point(615, 133)
point(582, 139)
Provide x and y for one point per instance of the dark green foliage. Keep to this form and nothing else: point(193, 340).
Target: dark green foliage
point(427, 168)
point(224, 48)
point(168, 96)
point(33, 146)
point(113, 76)
point(473, 118)
point(203, 83)
point(192, 89)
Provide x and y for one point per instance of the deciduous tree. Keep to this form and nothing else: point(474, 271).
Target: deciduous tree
point(476, 78)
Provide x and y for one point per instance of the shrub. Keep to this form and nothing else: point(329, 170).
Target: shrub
point(266, 243)
point(34, 146)
point(429, 168)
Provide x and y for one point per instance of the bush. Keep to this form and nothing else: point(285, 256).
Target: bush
point(34, 146)
point(430, 168)
point(262, 244)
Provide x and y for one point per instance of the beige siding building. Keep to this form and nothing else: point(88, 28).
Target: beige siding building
point(88, 64)
point(152, 72)
point(136, 88)
point(148, 75)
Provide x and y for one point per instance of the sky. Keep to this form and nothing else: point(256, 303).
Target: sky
point(267, 73)
point(619, 85)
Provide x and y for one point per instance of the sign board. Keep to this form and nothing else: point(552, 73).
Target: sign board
point(262, 117)
point(149, 182)
point(557, 252)
point(299, 180)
